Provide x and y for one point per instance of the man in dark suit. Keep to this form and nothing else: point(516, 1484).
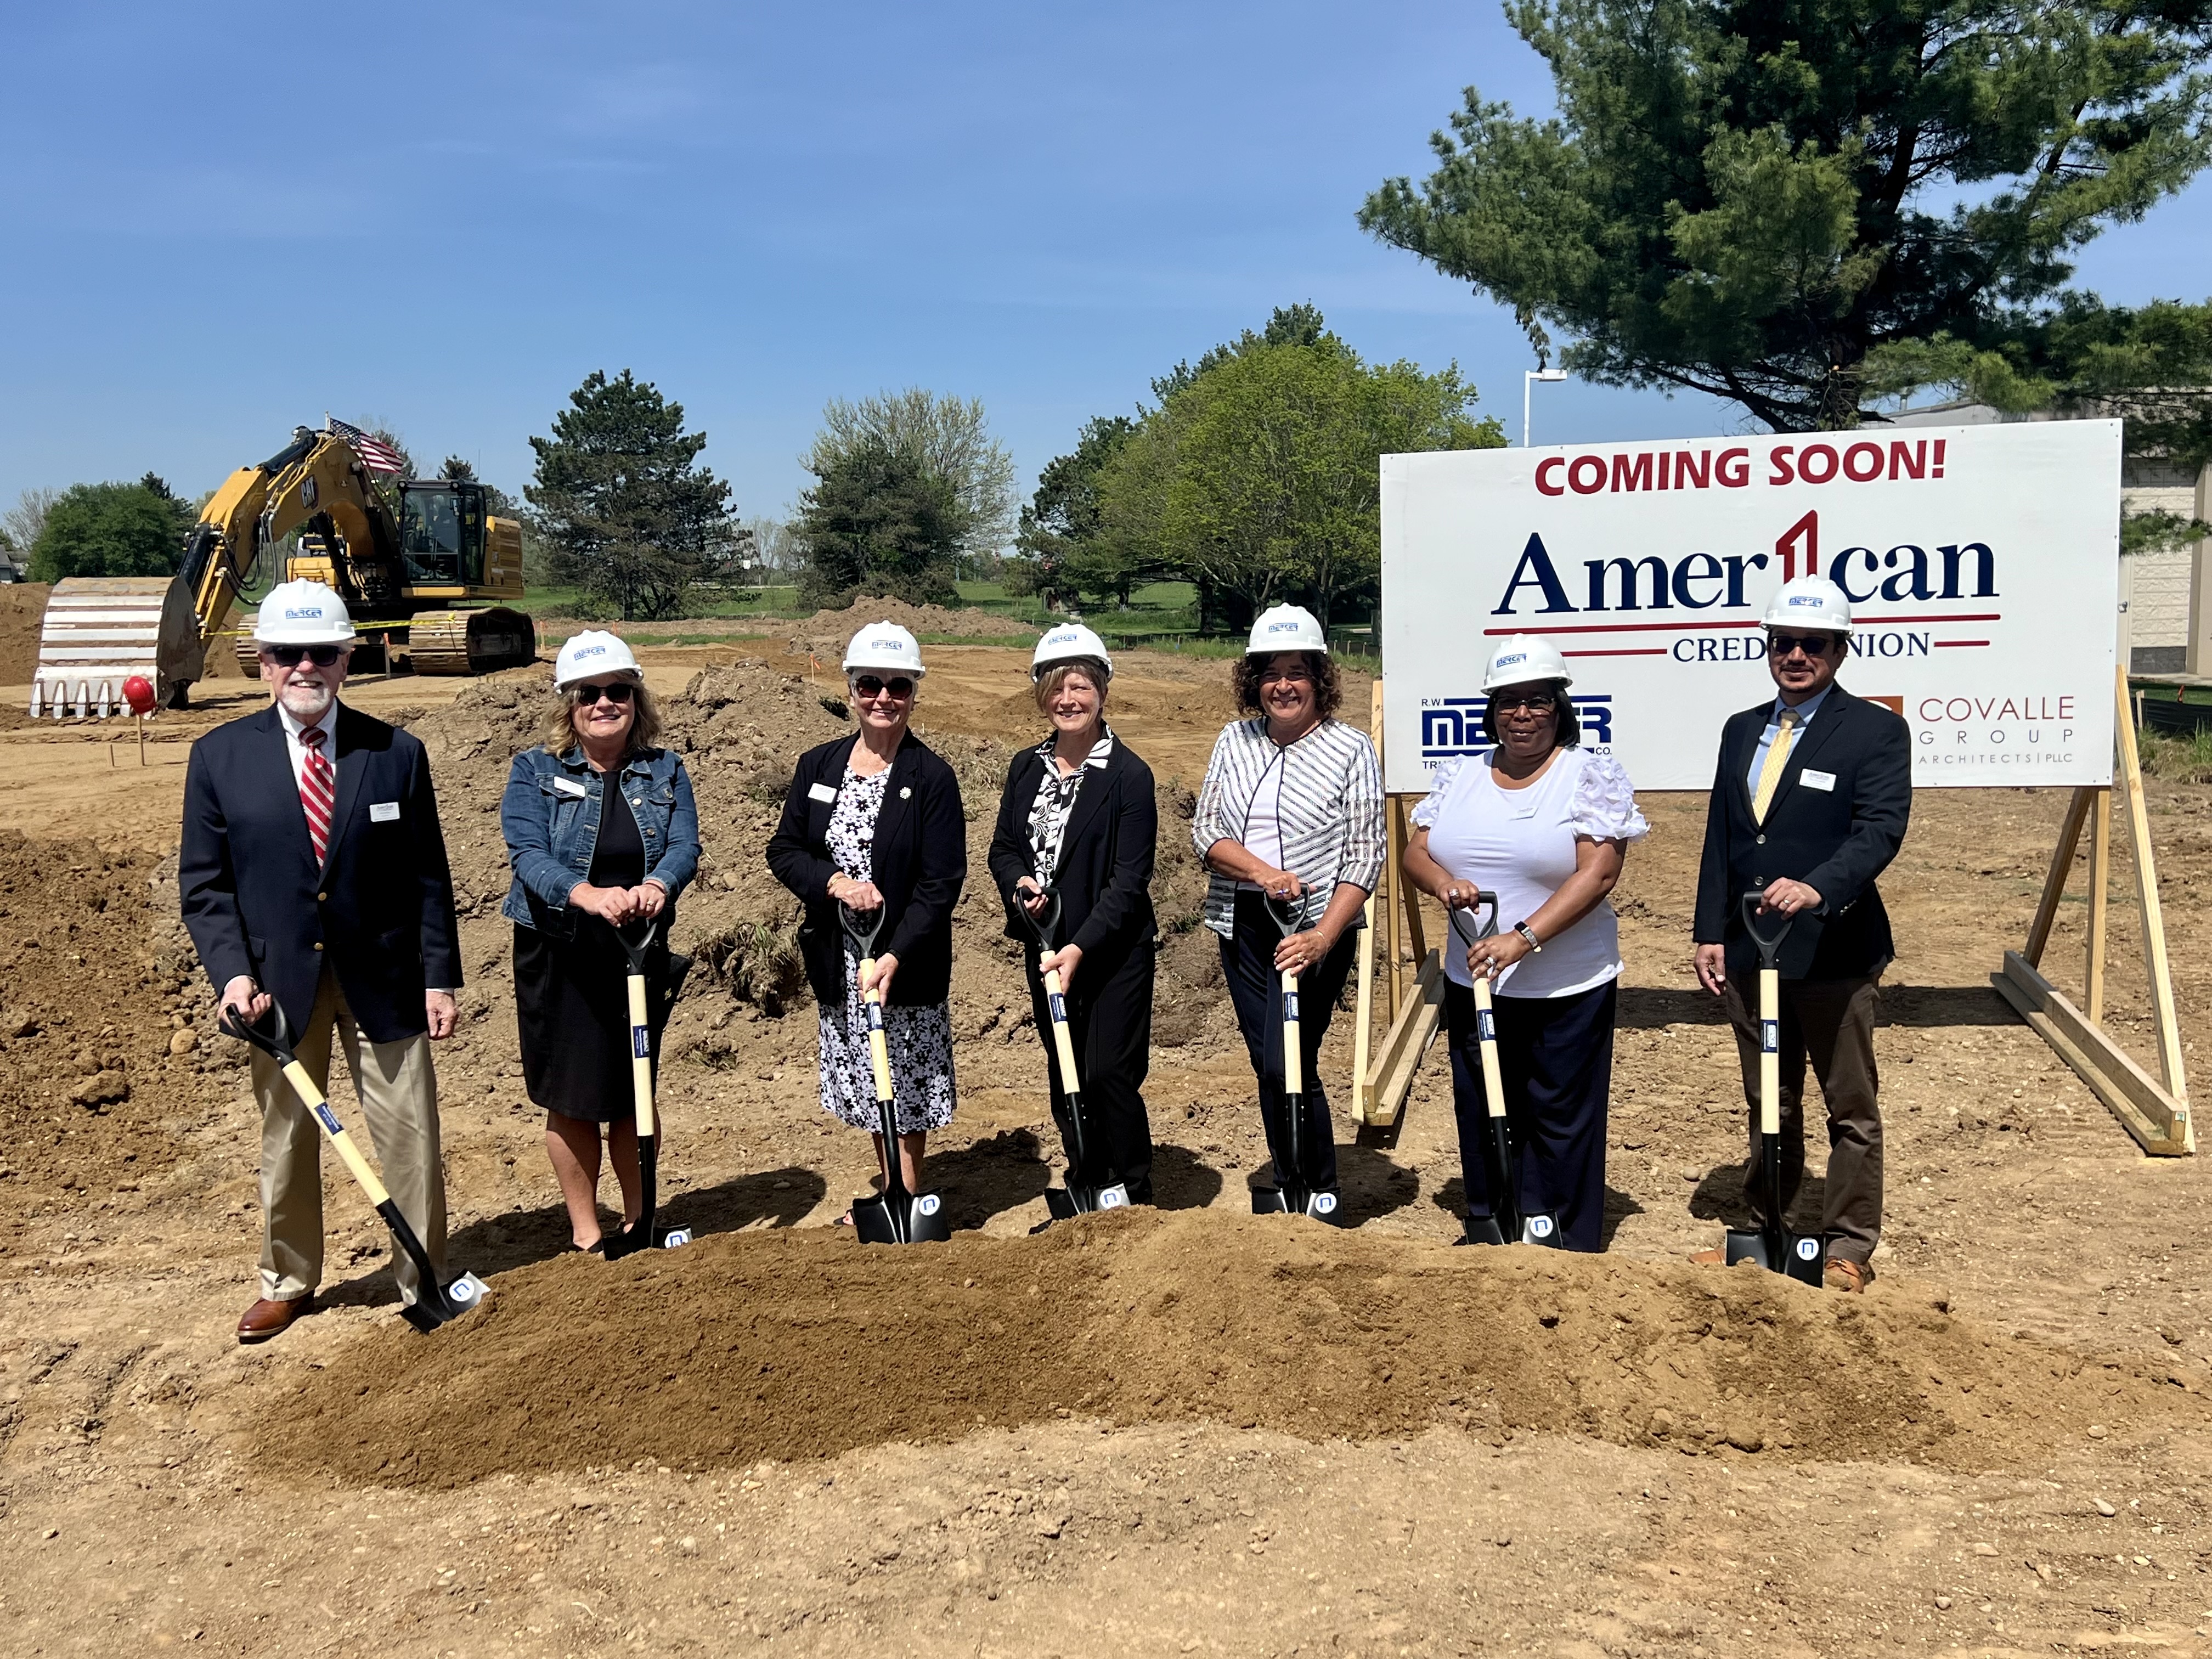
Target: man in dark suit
point(1809, 806)
point(313, 875)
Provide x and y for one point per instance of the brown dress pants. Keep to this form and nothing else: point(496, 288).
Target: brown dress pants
point(1830, 1023)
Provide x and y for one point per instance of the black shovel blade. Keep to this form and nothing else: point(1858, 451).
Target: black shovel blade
point(1542, 1229)
point(1071, 1201)
point(900, 1219)
point(1481, 1230)
point(446, 1304)
point(1291, 1201)
point(1799, 1258)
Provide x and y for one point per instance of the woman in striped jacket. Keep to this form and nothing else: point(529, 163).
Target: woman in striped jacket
point(1293, 808)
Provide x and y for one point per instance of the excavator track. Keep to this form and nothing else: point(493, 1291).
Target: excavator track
point(469, 642)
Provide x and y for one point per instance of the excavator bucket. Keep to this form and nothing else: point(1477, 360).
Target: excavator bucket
point(98, 631)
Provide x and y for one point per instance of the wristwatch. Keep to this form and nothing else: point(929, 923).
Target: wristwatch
point(1529, 937)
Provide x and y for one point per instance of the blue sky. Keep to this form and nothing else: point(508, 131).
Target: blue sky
point(220, 221)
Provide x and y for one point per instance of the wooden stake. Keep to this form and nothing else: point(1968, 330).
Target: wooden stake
point(2100, 875)
point(2167, 1028)
point(1363, 1002)
point(2054, 884)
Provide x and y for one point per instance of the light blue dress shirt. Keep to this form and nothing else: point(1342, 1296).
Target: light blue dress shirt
point(1806, 710)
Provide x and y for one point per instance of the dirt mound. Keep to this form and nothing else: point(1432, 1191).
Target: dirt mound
point(801, 1344)
point(826, 631)
point(104, 1026)
point(22, 606)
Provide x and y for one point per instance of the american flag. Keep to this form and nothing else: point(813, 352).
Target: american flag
point(378, 455)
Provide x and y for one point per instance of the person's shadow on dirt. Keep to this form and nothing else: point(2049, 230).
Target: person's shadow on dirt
point(780, 1198)
point(1372, 1183)
point(1719, 1196)
point(1451, 1199)
point(1181, 1180)
point(981, 1179)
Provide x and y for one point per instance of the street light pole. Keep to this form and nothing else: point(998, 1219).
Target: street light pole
point(1528, 378)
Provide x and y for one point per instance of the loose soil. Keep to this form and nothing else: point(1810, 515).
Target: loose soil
point(1183, 1431)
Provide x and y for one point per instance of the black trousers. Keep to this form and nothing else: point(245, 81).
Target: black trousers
point(1255, 986)
point(1109, 1020)
point(1556, 1056)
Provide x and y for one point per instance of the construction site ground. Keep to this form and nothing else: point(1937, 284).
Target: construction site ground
point(1183, 1431)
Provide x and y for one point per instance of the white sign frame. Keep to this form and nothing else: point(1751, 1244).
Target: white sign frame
point(1984, 563)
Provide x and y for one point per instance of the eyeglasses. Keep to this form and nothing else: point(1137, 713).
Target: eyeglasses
point(868, 685)
point(1812, 645)
point(617, 691)
point(287, 656)
point(1286, 676)
point(1536, 702)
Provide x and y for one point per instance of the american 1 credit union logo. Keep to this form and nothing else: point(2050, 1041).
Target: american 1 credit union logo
point(1452, 726)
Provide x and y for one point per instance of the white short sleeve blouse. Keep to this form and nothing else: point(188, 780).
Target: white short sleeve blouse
point(1520, 843)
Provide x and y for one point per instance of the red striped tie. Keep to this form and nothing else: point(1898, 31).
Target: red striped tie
point(318, 791)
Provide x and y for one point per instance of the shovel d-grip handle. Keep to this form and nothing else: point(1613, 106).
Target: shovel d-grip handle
point(1043, 924)
point(635, 949)
point(1770, 944)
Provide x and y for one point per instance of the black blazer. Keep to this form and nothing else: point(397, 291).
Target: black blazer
point(919, 856)
point(381, 912)
point(1836, 840)
point(1105, 871)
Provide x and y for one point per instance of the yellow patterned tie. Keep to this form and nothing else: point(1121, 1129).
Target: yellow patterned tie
point(1770, 775)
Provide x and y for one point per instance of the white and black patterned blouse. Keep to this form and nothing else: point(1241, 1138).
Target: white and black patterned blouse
point(1056, 800)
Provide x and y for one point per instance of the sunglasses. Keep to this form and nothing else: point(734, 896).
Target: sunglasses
point(868, 685)
point(287, 656)
point(1812, 645)
point(585, 696)
point(1536, 702)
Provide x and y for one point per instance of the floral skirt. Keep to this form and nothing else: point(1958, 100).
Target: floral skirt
point(920, 1044)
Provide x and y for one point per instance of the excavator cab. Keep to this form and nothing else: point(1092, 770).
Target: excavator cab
point(442, 534)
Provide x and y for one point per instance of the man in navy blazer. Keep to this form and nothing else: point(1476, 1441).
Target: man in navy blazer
point(313, 875)
point(1809, 804)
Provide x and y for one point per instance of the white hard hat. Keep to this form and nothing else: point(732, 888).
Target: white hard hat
point(302, 613)
point(593, 652)
point(886, 648)
point(1066, 642)
point(1522, 658)
point(1287, 628)
point(1809, 602)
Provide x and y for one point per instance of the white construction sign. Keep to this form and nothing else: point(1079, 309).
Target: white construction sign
point(1982, 563)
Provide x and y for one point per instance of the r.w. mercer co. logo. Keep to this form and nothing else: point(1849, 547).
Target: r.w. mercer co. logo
point(1284, 627)
point(591, 651)
point(305, 613)
point(1453, 726)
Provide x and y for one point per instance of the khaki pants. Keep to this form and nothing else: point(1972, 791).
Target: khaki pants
point(1829, 1022)
point(399, 1097)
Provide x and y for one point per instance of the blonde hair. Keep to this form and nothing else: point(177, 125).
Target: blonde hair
point(1049, 682)
point(558, 732)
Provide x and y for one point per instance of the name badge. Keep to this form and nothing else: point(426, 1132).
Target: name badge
point(384, 811)
point(821, 791)
point(1812, 780)
point(1523, 813)
point(569, 786)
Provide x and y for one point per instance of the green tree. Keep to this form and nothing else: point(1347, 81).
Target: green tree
point(877, 521)
point(624, 509)
point(111, 530)
point(1063, 528)
point(1752, 198)
point(947, 437)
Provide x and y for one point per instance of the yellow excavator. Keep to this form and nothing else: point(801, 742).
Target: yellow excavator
point(404, 575)
point(414, 561)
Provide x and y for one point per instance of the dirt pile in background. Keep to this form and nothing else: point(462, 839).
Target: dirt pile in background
point(22, 607)
point(800, 1345)
point(102, 1018)
point(825, 632)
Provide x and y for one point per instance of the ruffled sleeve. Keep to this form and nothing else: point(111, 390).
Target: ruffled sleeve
point(1425, 815)
point(1604, 805)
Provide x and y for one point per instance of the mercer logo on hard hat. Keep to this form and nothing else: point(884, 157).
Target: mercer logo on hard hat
point(313, 612)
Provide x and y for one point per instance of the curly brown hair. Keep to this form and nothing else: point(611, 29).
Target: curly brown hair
point(1329, 687)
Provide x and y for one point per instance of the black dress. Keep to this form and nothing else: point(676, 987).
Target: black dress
point(572, 995)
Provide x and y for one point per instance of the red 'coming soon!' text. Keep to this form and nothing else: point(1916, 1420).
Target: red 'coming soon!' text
point(1864, 462)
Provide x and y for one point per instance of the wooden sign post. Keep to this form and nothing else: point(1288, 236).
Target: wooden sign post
point(2155, 1111)
point(1382, 1077)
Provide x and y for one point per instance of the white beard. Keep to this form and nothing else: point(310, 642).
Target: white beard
point(306, 704)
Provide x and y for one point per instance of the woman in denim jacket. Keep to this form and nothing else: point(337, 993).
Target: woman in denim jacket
point(588, 859)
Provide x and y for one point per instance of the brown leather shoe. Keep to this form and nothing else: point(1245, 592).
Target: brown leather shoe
point(265, 1318)
point(1849, 1276)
